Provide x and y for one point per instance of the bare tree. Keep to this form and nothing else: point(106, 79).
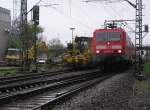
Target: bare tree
point(55, 44)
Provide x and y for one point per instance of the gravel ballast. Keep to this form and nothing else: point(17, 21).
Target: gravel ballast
point(111, 94)
point(141, 95)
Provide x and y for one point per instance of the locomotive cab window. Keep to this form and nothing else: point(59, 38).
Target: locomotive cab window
point(108, 36)
point(101, 36)
point(114, 36)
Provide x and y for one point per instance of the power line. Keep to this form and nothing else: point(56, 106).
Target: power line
point(70, 17)
point(81, 10)
point(33, 6)
point(70, 6)
point(108, 1)
point(121, 18)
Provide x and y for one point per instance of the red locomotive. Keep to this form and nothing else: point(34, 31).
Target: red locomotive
point(112, 46)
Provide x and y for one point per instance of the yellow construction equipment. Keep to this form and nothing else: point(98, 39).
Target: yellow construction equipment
point(40, 46)
point(13, 56)
point(78, 54)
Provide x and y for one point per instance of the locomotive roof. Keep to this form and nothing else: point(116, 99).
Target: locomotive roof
point(110, 30)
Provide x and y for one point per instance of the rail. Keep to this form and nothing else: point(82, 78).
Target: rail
point(53, 91)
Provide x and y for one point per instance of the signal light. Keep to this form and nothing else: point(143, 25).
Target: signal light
point(146, 28)
point(97, 51)
point(119, 51)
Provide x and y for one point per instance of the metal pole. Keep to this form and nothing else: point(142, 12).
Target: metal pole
point(138, 37)
point(35, 48)
point(72, 29)
point(23, 23)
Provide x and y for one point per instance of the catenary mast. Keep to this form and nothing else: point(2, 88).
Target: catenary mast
point(24, 33)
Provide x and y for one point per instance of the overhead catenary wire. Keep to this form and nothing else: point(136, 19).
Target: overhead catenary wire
point(33, 6)
point(70, 6)
point(109, 1)
point(81, 10)
point(126, 23)
point(89, 27)
point(78, 21)
point(72, 18)
point(117, 14)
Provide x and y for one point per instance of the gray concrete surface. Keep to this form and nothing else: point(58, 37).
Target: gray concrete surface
point(5, 24)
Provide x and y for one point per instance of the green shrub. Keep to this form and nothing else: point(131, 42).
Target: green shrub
point(147, 68)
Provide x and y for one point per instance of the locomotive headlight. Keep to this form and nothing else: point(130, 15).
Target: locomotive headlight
point(119, 51)
point(97, 51)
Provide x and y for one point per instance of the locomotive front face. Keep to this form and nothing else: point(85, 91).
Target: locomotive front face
point(107, 43)
point(111, 46)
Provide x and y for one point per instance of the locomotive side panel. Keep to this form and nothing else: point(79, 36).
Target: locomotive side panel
point(129, 50)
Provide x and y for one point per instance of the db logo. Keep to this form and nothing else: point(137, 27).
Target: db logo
point(109, 46)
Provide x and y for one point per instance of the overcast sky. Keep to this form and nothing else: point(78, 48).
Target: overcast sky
point(84, 17)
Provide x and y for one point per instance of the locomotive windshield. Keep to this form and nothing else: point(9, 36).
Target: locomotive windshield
point(102, 36)
point(108, 36)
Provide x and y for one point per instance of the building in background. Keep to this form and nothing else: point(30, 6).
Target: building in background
point(5, 24)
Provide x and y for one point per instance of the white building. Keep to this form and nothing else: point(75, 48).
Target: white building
point(5, 24)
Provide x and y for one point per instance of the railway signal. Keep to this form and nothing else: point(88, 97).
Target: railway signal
point(24, 13)
point(35, 19)
point(36, 15)
point(146, 28)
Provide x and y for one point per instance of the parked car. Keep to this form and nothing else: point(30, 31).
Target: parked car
point(41, 61)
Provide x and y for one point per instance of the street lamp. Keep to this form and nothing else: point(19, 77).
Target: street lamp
point(72, 29)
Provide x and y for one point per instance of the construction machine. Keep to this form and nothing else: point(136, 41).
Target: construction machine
point(78, 53)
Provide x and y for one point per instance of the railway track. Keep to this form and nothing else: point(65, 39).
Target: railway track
point(13, 87)
point(29, 76)
point(48, 93)
point(9, 84)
